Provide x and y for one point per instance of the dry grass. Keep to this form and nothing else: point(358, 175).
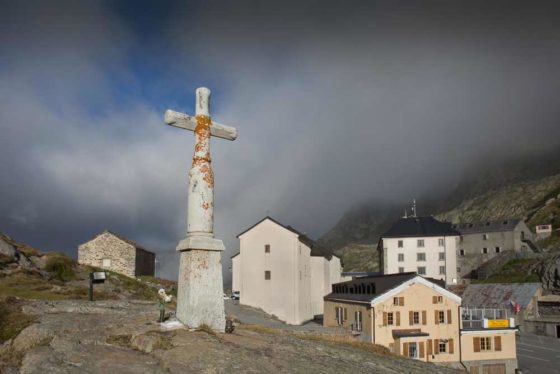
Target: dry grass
point(12, 320)
point(207, 329)
point(345, 340)
point(120, 340)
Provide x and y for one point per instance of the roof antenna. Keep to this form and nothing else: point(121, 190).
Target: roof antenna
point(414, 207)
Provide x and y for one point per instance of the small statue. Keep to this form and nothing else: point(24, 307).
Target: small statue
point(163, 299)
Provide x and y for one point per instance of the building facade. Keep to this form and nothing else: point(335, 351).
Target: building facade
point(418, 318)
point(420, 244)
point(281, 271)
point(480, 242)
point(112, 252)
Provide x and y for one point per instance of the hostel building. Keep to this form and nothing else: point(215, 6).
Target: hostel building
point(418, 318)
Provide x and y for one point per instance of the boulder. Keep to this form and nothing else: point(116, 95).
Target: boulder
point(549, 271)
point(7, 249)
point(146, 343)
point(32, 336)
point(39, 261)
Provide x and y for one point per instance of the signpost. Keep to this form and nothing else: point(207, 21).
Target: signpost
point(95, 277)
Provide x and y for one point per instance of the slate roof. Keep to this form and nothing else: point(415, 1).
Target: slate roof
point(419, 227)
point(383, 283)
point(317, 250)
point(498, 295)
point(486, 226)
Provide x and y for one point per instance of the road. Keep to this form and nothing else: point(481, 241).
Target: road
point(538, 354)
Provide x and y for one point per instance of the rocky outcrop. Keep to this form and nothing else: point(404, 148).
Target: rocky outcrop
point(549, 271)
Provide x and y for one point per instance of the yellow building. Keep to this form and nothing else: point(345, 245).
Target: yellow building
point(418, 318)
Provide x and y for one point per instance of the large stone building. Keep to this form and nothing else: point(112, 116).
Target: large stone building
point(281, 271)
point(481, 242)
point(113, 252)
point(420, 244)
point(418, 318)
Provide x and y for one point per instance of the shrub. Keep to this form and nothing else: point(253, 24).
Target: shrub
point(60, 266)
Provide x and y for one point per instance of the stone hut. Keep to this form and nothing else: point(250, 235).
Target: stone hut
point(113, 252)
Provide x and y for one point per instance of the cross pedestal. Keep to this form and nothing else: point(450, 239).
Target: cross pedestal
point(200, 290)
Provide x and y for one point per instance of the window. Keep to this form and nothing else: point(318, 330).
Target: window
point(416, 318)
point(390, 318)
point(440, 242)
point(458, 270)
point(400, 243)
point(441, 316)
point(442, 269)
point(497, 249)
point(106, 263)
point(438, 299)
point(401, 270)
point(267, 274)
point(441, 256)
point(420, 243)
point(398, 301)
point(412, 350)
point(485, 344)
point(484, 236)
point(442, 346)
point(358, 320)
point(421, 270)
point(339, 315)
point(267, 248)
point(401, 257)
point(421, 256)
point(461, 252)
point(484, 250)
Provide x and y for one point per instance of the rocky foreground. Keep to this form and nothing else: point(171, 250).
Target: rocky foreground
point(124, 337)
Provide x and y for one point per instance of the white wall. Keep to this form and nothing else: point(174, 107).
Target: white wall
point(236, 273)
point(432, 263)
point(298, 281)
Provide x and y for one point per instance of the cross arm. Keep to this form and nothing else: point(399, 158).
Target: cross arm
point(184, 121)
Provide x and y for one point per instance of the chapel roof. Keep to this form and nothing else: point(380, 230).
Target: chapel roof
point(419, 227)
point(134, 244)
point(381, 284)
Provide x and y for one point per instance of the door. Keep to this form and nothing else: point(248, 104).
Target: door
point(558, 331)
point(494, 369)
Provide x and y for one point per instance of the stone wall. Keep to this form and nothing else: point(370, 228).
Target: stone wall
point(108, 246)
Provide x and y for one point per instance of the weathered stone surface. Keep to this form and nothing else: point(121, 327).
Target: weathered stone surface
point(200, 291)
point(549, 271)
point(32, 336)
point(79, 345)
point(146, 343)
point(7, 249)
point(39, 262)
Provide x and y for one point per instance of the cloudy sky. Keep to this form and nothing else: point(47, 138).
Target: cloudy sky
point(335, 103)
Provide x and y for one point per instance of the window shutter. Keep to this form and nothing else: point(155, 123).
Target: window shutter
point(401, 301)
point(436, 317)
point(421, 349)
point(449, 316)
point(398, 318)
point(345, 314)
point(451, 346)
point(436, 346)
point(434, 299)
point(429, 346)
point(476, 344)
point(497, 343)
point(410, 318)
point(405, 349)
point(384, 318)
point(424, 317)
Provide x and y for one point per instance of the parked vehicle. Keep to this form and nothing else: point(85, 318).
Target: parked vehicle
point(235, 295)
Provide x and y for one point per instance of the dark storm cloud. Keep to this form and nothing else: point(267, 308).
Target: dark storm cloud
point(336, 103)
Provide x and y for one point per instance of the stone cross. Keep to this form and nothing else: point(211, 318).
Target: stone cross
point(200, 290)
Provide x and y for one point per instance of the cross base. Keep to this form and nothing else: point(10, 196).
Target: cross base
point(200, 291)
point(201, 242)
